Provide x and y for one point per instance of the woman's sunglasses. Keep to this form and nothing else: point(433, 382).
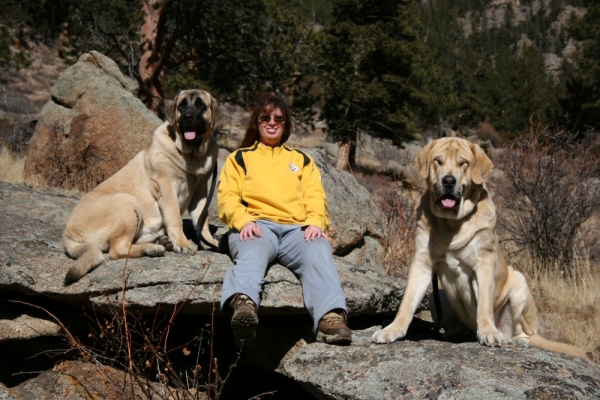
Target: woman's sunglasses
point(264, 118)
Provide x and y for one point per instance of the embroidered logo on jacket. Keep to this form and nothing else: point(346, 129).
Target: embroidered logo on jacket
point(294, 168)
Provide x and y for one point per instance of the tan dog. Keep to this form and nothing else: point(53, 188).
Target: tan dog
point(142, 203)
point(456, 239)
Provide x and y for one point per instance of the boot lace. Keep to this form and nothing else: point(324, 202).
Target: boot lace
point(334, 318)
point(240, 299)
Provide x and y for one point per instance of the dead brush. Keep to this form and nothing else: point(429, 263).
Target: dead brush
point(545, 206)
point(400, 240)
point(60, 169)
point(400, 221)
point(551, 191)
point(131, 356)
point(390, 196)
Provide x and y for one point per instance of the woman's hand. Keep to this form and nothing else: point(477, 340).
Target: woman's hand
point(314, 232)
point(250, 230)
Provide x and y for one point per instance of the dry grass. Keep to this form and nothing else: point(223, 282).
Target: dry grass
point(399, 211)
point(569, 308)
point(11, 167)
point(400, 245)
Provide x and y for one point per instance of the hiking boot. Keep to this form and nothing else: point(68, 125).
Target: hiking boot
point(244, 320)
point(333, 329)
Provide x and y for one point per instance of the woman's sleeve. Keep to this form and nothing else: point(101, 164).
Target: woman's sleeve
point(315, 200)
point(229, 195)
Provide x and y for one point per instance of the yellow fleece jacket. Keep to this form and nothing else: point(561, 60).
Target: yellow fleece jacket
point(278, 184)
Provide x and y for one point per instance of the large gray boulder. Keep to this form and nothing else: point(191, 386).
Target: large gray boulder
point(91, 127)
point(421, 368)
point(33, 263)
point(73, 380)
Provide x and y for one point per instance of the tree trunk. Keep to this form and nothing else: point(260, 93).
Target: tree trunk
point(150, 69)
point(343, 159)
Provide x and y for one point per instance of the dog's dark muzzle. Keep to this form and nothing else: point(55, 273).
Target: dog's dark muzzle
point(450, 193)
point(192, 124)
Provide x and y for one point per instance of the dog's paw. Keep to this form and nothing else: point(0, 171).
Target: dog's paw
point(387, 335)
point(184, 247)
point(154, 250)
point(490, 338)
point(164, 241)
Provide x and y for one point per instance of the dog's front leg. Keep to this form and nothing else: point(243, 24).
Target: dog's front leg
point(171, 214)
point(485, 272)
point(199, 215)
point(419, 278)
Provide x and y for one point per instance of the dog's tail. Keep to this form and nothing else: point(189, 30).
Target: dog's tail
point(88, 257)
point(546, 344)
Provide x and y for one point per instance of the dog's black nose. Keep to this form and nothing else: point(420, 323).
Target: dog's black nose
point(448, 181)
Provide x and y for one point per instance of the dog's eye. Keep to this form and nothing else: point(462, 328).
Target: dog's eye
point(199, 104)
point(437, 161)
point(183, 104)
point(463, 163)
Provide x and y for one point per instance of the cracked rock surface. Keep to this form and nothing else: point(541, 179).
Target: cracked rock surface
point(32, 262)
point(421, 368)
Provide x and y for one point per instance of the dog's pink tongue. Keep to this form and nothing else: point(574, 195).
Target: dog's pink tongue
point(189, 135)
point(448, 203)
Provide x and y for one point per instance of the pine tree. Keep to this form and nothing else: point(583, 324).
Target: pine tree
point(368, 54)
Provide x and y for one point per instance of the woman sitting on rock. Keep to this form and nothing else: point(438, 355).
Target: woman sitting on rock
point(272, 199)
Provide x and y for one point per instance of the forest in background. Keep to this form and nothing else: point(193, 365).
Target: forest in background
point(385, 67)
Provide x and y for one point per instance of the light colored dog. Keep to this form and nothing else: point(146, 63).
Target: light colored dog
point(456, 239)
point(142, 203)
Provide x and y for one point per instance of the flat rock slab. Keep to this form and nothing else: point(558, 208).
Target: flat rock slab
point(75, 380)
point(32, 262)
point(26, 327)
point(435, 369)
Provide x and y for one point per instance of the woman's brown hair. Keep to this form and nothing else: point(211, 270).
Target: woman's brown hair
point(265, 105)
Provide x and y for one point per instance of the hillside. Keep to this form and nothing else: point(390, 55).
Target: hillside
point(500, 62)
point(508, 60)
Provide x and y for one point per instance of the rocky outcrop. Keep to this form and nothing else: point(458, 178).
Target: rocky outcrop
point(26, 327)
point(78, 380)
point(90, 128)
point(499, 13)
point(421, 368)
point(33, 261)
point(33, 265)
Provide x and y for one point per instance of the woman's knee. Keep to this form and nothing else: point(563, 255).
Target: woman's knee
point(318, 249)
point(254, 249)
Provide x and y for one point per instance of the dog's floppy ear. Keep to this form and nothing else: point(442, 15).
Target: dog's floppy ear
point(172, 111)
point(482, 165)
point(423, 160)
point(215, 112)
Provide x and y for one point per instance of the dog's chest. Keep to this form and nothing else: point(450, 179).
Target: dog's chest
point(457, 277)
point(456, 268)
point(199, 166)
point(454, 264)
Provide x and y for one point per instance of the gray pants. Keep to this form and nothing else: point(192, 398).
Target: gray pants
point(310, 261)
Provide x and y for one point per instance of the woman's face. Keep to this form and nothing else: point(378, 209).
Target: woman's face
point(270, 127)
